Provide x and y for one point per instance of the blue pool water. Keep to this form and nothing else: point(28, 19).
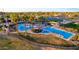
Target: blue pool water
point(23, 28)
point(65, 34)
point(47, 30)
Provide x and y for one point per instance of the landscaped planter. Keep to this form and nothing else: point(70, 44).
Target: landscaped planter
point(37, 30)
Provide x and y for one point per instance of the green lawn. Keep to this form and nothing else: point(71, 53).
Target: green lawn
point(71, 25)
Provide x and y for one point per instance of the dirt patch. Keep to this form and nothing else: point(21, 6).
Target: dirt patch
point(48, 39)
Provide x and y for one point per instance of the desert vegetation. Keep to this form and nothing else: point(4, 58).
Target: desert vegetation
point(12, 43)
point(47, 39)
point(9, 42)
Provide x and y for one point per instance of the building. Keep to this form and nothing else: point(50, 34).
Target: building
point(76, 21)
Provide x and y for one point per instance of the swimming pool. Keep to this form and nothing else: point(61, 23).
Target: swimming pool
point(62, 33)
point(23, 27)
point(48, 30)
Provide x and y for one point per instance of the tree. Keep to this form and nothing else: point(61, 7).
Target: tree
point(14, 17)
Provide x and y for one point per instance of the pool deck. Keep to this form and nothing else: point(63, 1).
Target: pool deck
point(58, 35)
point(64, 31)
